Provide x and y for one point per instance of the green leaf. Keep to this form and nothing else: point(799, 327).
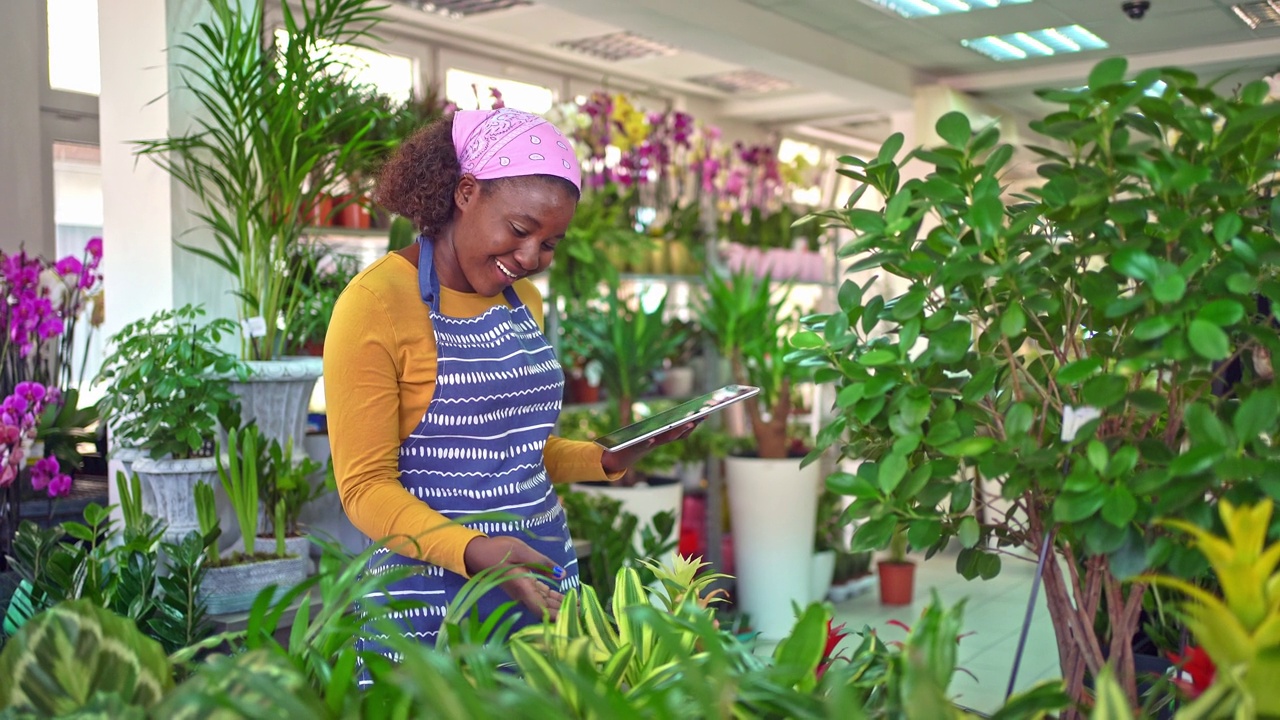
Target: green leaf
point(1108, 72)
point(1154, 327)
point(1013, 322)
point(1018, 420)
point(1074, 372)
point(1195, 461)
point(1242, 283)
point(807, 340)
point(924, 533)
point(1208, 340)
point(850, 394)
point(1120, 507)
point(891, 471)
point(968, 447)
point(1098, 455)
point(954, 128)
point(1223, 313)
point(878, 357)
point(968, 532)
point(1227, 227)
point(1204, 427)
point(972, 563)
point(1256, 415)
point(1169, 289)
point(1136, 264)
point(1074, 507)
point(874, 534)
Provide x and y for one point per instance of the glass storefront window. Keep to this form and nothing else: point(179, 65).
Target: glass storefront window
point(473, 91)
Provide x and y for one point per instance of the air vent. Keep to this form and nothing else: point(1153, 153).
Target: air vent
point(462, 8)
point(1259, 14)
point(618, 46)
point(742, 81)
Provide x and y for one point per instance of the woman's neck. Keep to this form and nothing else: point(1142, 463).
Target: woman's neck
point(443, 256)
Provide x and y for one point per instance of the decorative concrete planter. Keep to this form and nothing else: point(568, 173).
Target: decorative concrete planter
point(234, 588)
point(276, 396)
point(169, 491)
point(298, 546)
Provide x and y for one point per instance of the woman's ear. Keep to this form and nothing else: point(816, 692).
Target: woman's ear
point(466, 191)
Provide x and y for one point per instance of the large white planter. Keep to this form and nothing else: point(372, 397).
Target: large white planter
point(169, 491)
point(644, 501)
point(277, 395)
point(234, 588)
point(824, 569)
point(772, 506)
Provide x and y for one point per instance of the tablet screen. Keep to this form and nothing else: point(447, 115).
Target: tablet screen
point(659, 423)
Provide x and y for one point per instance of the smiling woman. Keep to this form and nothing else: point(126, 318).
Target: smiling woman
point(441, 388)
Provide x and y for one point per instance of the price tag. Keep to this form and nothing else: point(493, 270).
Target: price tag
point(1075, 417)
point(255, 327)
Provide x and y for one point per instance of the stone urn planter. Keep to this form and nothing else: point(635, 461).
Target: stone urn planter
point(276, 396)
point(169, 490)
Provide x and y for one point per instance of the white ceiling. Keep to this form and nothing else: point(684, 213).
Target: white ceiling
point(850, 62)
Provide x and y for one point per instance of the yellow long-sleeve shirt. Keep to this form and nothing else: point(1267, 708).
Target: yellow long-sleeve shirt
point(379, 377)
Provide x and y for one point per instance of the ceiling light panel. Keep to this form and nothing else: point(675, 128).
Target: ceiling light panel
point(462, 8)
point(1259, 14)
point(930, 8)
point(618, 46)
point(1036, 43)
point(742, 81)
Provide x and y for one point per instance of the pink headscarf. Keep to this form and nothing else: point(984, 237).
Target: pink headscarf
point(509, 143)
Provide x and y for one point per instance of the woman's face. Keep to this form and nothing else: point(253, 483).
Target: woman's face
point(505, 231)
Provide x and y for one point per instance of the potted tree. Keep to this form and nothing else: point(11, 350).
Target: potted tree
point(897, 573)
point(167, 393)
point(772, 497)
point(1097, 352)
point(276, 124)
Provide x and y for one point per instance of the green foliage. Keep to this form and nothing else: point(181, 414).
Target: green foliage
point(601, 521)
point(61, 428)
point(166, 382)
point(279, 125)
point(1123, 283)
point(285, 482)
point(239, 478)
point(65, 656)
point(741, 313)
point(323, 275)
point(630, 344)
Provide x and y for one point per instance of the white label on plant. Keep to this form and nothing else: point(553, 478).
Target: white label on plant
point(255, 327)
point(1074, 417)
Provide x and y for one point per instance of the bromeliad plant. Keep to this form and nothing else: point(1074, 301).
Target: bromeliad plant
point(1097, 350)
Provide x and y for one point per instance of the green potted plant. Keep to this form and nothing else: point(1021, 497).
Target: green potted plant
point(772, 497)
point(287, 483)
point(276, 126)
point(679, 380)
point(166, 393)
point(324, 275)
point(897, 573)
point(234, 582)
point(1094, 355)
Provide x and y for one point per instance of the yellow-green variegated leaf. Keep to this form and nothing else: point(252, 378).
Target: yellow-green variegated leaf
point(1110, 701)
point(597, 622)
point(64, 656)
point(616, 667)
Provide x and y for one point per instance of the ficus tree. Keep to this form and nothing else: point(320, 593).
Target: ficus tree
point(1094, 353)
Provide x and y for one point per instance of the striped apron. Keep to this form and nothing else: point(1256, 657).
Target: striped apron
point(479, 449)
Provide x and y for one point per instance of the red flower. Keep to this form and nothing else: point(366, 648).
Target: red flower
point(1196, 663)
point(834, 636)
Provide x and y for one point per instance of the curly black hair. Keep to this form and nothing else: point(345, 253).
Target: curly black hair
point(419, 180)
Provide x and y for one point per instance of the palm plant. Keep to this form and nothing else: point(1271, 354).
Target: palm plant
point(276, 128)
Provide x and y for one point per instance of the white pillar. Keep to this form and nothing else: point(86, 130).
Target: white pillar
point(26, 197)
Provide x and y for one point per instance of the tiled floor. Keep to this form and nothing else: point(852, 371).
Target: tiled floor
point(993, 615)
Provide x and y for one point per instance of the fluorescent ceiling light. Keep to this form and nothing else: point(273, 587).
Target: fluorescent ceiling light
point(1258, 14)
point(930, 8)
point(1036, 43)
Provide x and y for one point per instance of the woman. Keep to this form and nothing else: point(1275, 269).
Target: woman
point(441, 388)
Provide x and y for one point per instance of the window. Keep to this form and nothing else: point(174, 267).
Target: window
point(77, 196)
point(804, 161)
point(472, 91)
point(392, 75)
point(73, 46)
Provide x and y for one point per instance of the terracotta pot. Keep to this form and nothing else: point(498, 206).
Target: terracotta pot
point(321, 214)
point(582, 391)
point(354, 215)
point(897, 582)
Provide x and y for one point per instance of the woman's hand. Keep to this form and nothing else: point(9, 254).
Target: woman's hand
point(520, 560)
point(619, 460)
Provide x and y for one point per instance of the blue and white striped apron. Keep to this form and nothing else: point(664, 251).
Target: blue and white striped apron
point(479, 449)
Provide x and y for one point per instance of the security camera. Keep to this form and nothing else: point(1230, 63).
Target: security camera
point(1136, 9)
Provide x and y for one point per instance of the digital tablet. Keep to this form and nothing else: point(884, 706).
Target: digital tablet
point(685, 412)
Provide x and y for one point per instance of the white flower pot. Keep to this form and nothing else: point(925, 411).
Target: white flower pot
point(277, 395)
point(234, 588)
point(773, 506)
point(824, 569)
point(169, 491)
point(677, 382)
point(644, 501)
